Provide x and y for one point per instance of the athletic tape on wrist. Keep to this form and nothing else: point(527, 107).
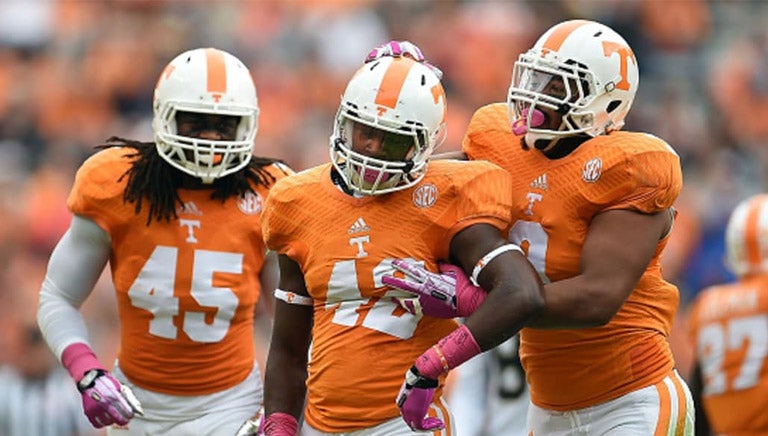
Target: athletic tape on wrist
point(280, 423)
point(443, 360)
point(293, 298)
point(451, 351)
point(78, 359)
point(485, 260)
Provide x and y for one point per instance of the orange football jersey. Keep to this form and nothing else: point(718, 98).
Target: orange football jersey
point(363, 341)
point(555, 201)
point(729, 327)
point(186, 289)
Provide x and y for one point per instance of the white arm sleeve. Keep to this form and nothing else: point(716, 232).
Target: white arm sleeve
point(73, 270)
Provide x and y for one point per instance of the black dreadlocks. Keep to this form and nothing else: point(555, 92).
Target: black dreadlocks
point(151, 178)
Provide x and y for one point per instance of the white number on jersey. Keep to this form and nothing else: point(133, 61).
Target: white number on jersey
point(537, 240)
point(716, 339)
point(153, 290)
point(345, 298)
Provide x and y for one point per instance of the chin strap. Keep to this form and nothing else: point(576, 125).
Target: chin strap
point(562, 147)
point(340, 183)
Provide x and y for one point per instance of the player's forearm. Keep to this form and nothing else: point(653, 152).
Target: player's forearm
point(515, 299)
point(61, 324)
point(285, 386)
point(506, 310)
point(503, 314)
point(577, 303)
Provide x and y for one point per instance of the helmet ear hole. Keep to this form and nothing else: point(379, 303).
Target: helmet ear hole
point(613, 105)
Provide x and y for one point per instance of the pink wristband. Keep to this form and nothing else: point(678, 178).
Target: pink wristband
point(450, 352)
point(280, 424)
point(78, 358)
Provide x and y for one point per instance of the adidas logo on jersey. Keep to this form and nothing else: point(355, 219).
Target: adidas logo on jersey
point(359, 226)
point(189, 208)
point(540, 182)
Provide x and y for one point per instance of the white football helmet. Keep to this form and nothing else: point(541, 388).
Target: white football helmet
point(207, 81)
point(404, 99)
point(595, 66)
point(746, 237)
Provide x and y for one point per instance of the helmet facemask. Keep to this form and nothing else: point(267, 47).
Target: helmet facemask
point(205, 158)
point(394, 168)
point(567, 90)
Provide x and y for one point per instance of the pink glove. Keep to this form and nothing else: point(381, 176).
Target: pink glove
point(421, 380)
point(105, 400)
point(414, 399)
point(402, 48)
point(445, 295)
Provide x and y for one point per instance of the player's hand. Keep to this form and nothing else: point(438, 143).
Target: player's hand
point(445, 295)
point(106, 401)
point(436, 292)
point(401, 48)
point(254, 426)
point(414, 399)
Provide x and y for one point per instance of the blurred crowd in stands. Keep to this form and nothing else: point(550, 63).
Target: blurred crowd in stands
point(75, 72)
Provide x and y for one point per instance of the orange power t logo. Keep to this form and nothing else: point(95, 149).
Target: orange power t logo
point(624, 52)
point(439, 93)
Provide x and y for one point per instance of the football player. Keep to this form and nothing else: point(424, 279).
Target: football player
point(593, 210)
point(177, 220)
point(338, 228)
point(729, 329)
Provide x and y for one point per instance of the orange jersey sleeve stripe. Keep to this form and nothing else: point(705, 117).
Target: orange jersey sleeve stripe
point(217, 71)
point(392, 84)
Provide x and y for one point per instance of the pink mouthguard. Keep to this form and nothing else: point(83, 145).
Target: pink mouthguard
point(520, 126)
point(370, 176)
